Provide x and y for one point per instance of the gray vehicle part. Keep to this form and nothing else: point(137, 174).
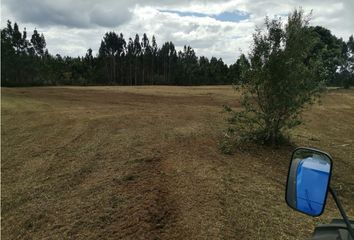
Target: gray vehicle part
point(336, 230)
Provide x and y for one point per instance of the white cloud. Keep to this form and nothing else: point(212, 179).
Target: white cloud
point(71, 27)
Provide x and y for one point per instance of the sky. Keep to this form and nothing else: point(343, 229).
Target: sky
point(220, 28)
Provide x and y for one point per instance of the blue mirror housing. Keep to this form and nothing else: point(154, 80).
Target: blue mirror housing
point(308, 181)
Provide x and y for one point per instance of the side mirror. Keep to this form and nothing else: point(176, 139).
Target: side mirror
point(308, 181)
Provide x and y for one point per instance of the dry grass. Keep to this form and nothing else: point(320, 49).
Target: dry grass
point(143, 163)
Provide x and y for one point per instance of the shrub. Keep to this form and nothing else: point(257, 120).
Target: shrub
point(282, 79)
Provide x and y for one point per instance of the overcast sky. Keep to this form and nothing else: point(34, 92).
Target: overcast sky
point(219, 28)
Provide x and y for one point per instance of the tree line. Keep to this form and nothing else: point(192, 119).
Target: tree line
point(140, 61)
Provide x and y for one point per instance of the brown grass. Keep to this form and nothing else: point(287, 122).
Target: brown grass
point(143, 163)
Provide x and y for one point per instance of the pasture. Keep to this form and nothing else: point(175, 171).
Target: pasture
point(143, 163)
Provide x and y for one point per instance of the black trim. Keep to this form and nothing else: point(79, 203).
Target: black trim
point(329, 180)
point(342, 212)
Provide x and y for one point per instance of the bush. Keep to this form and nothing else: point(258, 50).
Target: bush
point(282, 79)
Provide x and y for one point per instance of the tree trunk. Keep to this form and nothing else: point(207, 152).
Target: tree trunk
point(130, 73)
point(135, 71)
point(152, 71)
point(143, 79)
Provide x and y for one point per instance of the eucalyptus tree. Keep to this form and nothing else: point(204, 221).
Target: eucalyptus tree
point(146, 56)
point(154, 52)
point(136, 54)
point(112, 47)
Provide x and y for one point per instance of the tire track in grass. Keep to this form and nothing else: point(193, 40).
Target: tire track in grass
point(150, 214)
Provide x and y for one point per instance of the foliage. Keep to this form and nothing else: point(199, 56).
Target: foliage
point(139, 61)
point(237, 69)
point(346, 74)
point(332, 52)
point(119, 62)
point(284, 76)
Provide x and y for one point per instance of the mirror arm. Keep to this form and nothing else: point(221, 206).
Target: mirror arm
point(342, 212)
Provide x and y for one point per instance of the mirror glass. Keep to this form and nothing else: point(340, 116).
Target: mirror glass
point(308, 181)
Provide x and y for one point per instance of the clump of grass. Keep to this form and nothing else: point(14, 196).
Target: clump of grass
point(147, 159)
point(225, 146)
point(129, 177)
point(116, 201)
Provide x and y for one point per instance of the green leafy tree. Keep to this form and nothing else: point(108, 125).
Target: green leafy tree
point(168, 60)
point(154, 51)
point(203, 75)
point(38, 43)
point(89, 65)
point(17, 40)
point(146, 56)
point(130, 60)
point(136, 54)
point(8, 55)
point(332, 53)
point(218, 70)
point(350, 53)
point(188, 65)
point(111, 49)
point(282, 79)
point(346, 73)
point(237, 70)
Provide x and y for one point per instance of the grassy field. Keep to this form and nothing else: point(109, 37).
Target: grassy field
point(143, 163)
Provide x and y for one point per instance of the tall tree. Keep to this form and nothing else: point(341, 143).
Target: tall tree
point(188, 63)
point(112, 47)
point(130, 56)
point(346, 74)
point(330, 49)
point(17, 41)
point(146, 55)
point(38, 43)
point(136, 54)
point(154, 51)
point(238, 69)
point(8, 55)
